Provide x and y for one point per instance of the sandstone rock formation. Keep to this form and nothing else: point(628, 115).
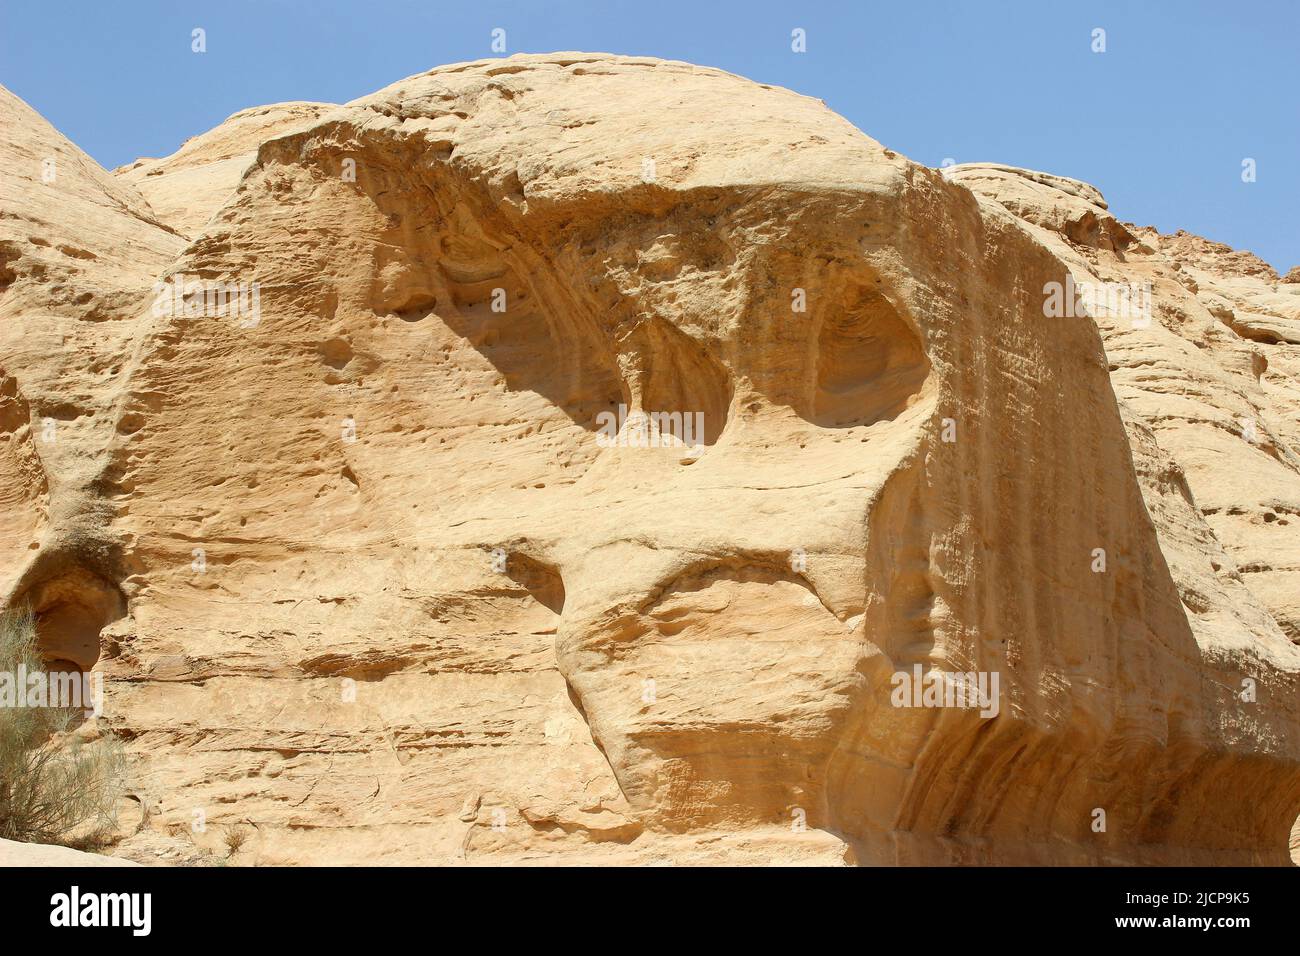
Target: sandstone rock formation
point(30, 854)
point(366, 576)
point(187, 187)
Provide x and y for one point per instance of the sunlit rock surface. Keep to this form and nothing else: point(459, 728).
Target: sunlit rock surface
point(372, 577)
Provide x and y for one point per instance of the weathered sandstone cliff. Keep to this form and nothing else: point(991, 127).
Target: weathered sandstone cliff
point(367, 578)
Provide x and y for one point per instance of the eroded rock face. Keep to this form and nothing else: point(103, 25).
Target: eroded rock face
point(187, 187)
point(390, 592)
point(1212, 371)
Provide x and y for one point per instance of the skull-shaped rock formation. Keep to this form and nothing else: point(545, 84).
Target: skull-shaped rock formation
point(571, 458)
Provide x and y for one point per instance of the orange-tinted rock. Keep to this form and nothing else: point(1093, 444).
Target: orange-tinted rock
point(399, 583)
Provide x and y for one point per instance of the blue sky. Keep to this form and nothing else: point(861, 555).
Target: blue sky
point(1160, 121)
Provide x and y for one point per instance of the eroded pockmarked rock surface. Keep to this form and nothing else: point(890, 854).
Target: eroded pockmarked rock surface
point(367, 580)
point(187, 187)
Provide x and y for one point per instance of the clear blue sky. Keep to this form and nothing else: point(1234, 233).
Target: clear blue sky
point(1160, 122)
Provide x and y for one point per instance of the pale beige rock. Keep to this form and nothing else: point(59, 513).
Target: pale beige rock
point(35, 854)
point(79, 252)
point(191, 184)
point(373, 590)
